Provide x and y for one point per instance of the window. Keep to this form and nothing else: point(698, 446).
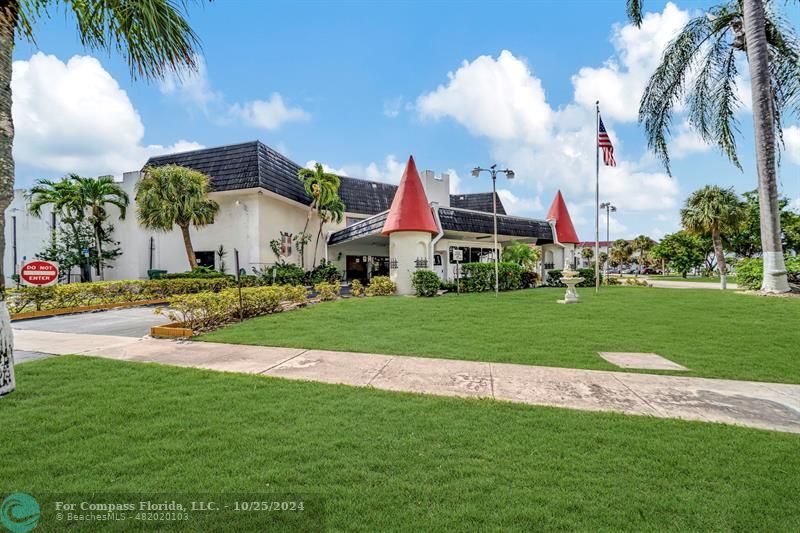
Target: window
point(205, 259)
point(349, 221)
point(464, 254)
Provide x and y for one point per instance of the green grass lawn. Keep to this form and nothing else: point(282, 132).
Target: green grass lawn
point(379, 461)
point(715, 334)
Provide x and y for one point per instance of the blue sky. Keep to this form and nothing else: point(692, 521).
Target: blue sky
point(361, 85)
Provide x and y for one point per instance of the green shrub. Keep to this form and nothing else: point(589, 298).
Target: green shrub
point(637, 282)
point(325, 271)
point(554, 278)
point(613, 281)
point(448, 286)
point(425, 282)
point(588, 277)
point(108, 292)
point(207, 310)
point(288, 274)
point(381, 286)
point(529, 279)
point(201, 272)
point(479, 277)
point(328, 291)
point(356, 288)
point(750, 272)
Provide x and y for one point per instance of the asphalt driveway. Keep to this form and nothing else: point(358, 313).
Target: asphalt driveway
point(130, 322)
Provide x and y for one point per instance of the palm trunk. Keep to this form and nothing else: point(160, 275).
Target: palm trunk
point(8, 24)
point(302, 247)
point(99, 247)
point(775, 279)
point(316, 244)
point(716, 238)
point(187, 243)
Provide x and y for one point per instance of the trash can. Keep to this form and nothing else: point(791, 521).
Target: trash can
point(155, 273)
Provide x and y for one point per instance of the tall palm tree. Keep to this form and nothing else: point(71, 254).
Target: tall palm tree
point(95, 194)
point(642, 244)
point(713, 211)
point(152, 35)
point(322, 187)
point(172, 195)
point(620, 252)
point(333, 211)
point(587, 253)
point(699, 68)
point(64, 197)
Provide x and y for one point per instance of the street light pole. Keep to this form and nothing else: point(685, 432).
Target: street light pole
point(509, 175)
point(609, 209)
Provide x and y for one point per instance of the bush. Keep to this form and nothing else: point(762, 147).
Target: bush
point(750, 272)
point(554, 278)
point(200, 272)
point(529, 279)
point(328, 291)
point(381, 286)
point(613, 281)
point(448, 286)
point(108, 292)
point(479, 277)
point(636, 282)
point(425, 282)
point(206, 310)
point(325, 271)
point(356, 288)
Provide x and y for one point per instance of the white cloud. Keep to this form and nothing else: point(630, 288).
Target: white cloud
point(74, 117)
point(791, 137)
point(268, 114)
point(516, 205)
point(391, 108)
point(497, 98)
point(686, 141)
point(327, 168)
point(619, 83)
point(191, 85)
point(455, 181)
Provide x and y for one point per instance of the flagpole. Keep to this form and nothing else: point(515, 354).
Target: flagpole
point(597, 198)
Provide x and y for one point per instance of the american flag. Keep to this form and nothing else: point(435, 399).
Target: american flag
point(604, 142)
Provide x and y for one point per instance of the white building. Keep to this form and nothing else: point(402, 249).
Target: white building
point(261, 199)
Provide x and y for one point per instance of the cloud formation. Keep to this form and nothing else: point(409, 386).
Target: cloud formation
point(74, 117)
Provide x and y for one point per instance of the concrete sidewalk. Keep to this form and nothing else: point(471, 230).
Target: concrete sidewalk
point(672, 284)
point(761, 405)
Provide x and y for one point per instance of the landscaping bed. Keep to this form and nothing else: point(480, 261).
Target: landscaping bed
point(383, 461)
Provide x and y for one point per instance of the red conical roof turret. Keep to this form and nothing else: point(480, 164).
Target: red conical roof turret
point(565, 231)
point(410, 210)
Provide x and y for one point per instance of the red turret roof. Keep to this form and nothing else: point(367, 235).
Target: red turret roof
point(565, 231)
point(410, 210)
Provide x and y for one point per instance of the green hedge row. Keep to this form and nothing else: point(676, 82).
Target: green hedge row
point(479, 277)
point(106, 292)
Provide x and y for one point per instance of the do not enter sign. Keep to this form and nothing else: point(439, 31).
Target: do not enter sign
point(39, 273)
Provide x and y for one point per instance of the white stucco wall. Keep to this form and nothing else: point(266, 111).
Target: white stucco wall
point(406, 247)
point(33, 234)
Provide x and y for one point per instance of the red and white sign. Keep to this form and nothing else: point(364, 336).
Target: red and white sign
point(39, 273)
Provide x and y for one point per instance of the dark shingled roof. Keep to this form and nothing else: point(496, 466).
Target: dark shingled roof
point(479, 201)
point(254, 164)
point(369, 226)
point(475, 222)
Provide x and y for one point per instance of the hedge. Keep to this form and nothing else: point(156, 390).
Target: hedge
point(425, 282)
point(106, 292)
point(479, 277)
point(750, 272)
point(381, 286)
point(207, 310)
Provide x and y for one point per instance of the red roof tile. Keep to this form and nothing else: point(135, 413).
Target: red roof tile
point(410, 210)
point(565, 230)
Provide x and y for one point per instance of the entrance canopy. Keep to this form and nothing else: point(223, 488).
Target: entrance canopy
point(458, 223)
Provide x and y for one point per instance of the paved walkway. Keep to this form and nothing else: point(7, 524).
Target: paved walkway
point(671, 284)
point(761, 405)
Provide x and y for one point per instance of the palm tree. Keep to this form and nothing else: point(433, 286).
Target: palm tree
point(713, 211)
point(322, 187)
point(67, 204)
point(95, 194)
point(154, 37)
point(620, 252)
point(587, 253)
point(172, 195)
point(522, 254)
point(706, 49)
point(333, 211)
point(642, 244)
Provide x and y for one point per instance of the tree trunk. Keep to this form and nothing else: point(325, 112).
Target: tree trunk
point(99, 247)
point(775, 279)
point(301, 249)
point(8, 24)
point(187, 243)
point(316, 244)
point(716, 238)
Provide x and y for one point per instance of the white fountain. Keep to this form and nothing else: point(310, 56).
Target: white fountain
point(570, 278)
